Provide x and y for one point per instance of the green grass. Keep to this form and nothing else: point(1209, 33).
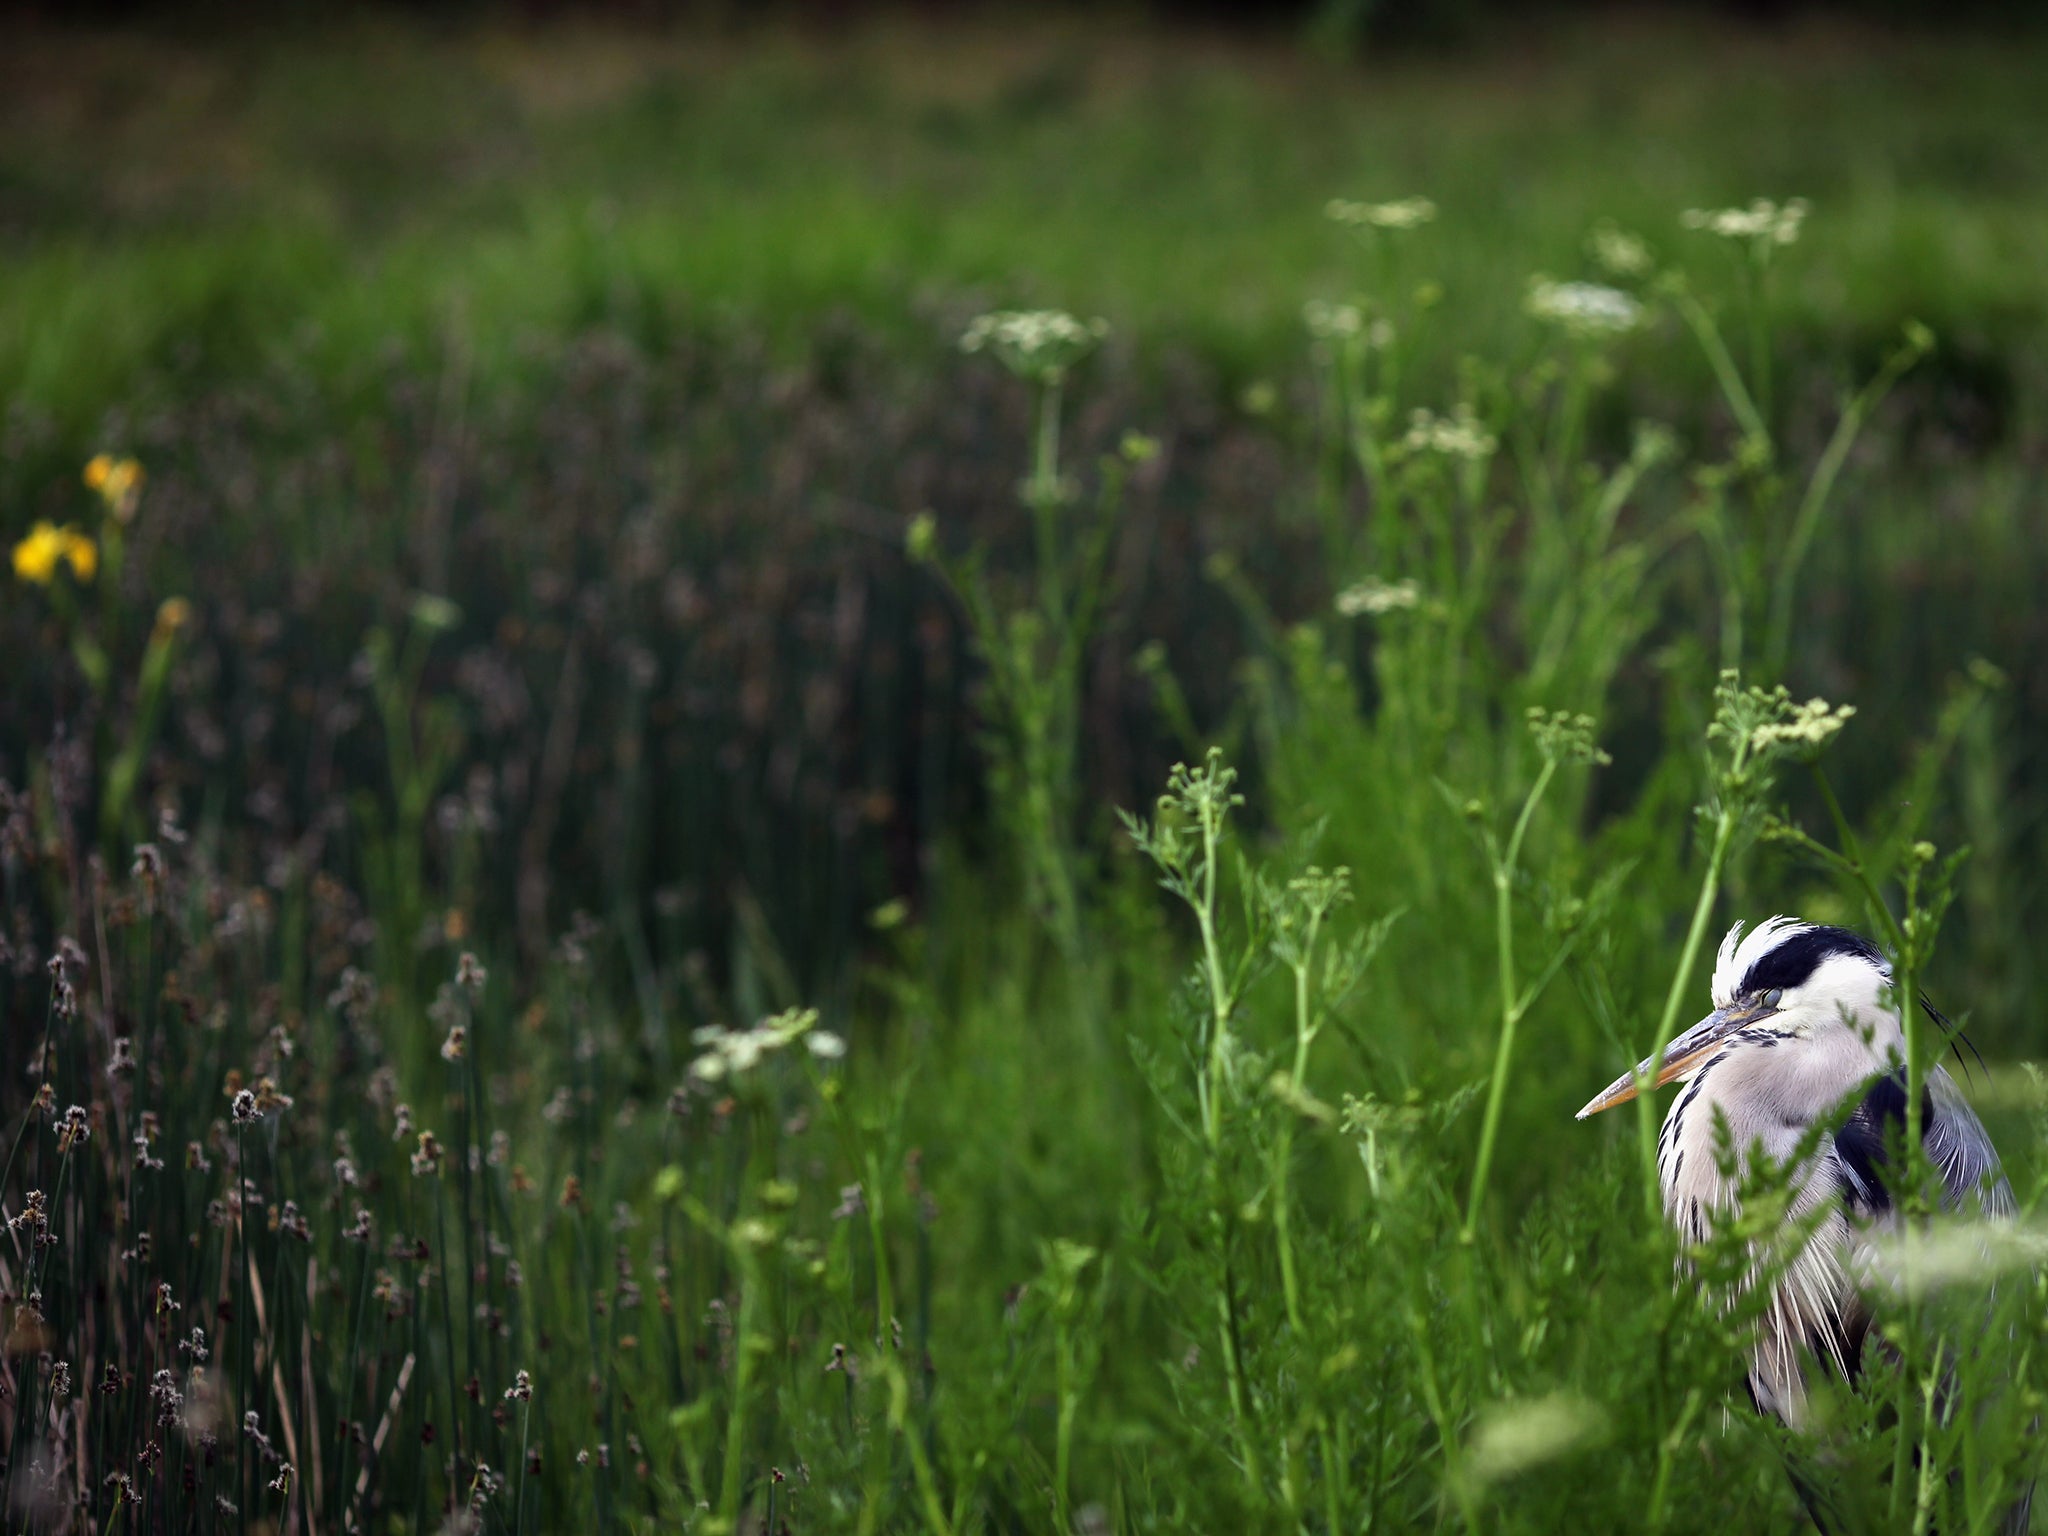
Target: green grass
point(1124, 1209)
point(164, 193)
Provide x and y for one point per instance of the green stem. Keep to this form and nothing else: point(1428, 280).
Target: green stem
point(920, 1463)
point(41, 1075)
point(345, 1398)
point(1283, 1148)
point(1210, 1084)
point(1447, 1431)
point(243, 1314)
point(1233, 1369)
point(1806, 521)
point(1713, 526)
point(1333, 1474)
point(1667, 1021)
point(468, 1141)
point(519, 1498)
point(885, 1302)
point(1667, 1453)
point(448, 1335)
point(729, 1488)
point(1511, 1006)
point(1725, 372)
point(1043, 492)
point(1757, 289)
point(1930, 1390)
point(1283, 1156)
point(1063, 1442)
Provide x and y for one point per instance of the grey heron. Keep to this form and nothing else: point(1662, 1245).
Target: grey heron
point(1804, 1023)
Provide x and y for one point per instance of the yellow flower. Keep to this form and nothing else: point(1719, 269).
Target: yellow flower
point(37, 557)
point(118, 481)
point(83, 554)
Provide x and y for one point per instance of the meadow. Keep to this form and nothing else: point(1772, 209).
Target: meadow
point(899, 779)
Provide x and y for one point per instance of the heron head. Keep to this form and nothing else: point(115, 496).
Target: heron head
point(1784, 982)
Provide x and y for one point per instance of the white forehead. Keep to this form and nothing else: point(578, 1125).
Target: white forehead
point(1739, 952)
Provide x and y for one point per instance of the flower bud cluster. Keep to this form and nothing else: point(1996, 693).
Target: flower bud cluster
point(1035, 344)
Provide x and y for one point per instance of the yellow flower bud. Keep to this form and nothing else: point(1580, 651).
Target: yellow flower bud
point(83, 554)
point(118, 482)
point(172, 615)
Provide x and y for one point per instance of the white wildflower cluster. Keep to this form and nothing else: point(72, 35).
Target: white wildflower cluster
point(1036, 344)
point(1332, 322)
point(1585, 309)
point(1374, 597)
point(1345, 322)
point(1812, 724)
point(1763, 222)
point(733, 1053)
point(1457, 436)
point(1619, 253)
point(1402, 213)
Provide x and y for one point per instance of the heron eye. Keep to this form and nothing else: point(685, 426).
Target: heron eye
point(1772, 998)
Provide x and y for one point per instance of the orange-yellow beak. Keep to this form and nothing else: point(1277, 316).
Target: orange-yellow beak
point(1681, 1059)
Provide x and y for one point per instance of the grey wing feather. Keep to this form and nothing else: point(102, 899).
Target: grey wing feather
point(1956, 1140)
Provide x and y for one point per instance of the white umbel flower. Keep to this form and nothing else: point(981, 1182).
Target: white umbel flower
point(1036, 344)
point(1374, 597)
point(1584, 309)
point(1763, 222)
point(1332, 322)
point(1619, 253)
point(1457, 436)
point(732, 1053)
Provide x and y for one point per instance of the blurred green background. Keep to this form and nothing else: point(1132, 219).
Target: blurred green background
point(372, 176)
point(550, 417)
point(501, 307)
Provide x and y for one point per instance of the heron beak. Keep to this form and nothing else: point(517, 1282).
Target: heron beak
point(1685, 1056)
